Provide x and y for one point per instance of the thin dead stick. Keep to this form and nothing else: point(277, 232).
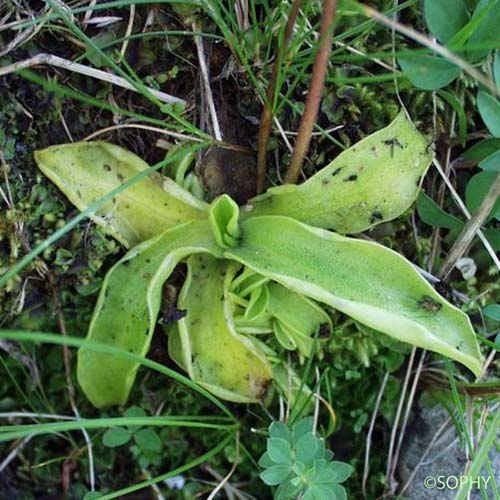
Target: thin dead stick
point(409, 405)
point(433, 45)
point(198, 40)
point(314, 96)
point(442, 188)
point(128, 32)
point(471, 228)
point(317, 134)
point(154, 486)
point(241, 8)
point(424, 456)
point(267, 111)
point(368, 56)
point(21, 38)
point(59, 62)
point(226, 478)
point(316, 404)
point(289, 387)
point(366, 469)
point(464, 210)
point(89, 12)
point(34, 416)
point(184, 137)
point(13, 454)
point(328, 407)
point(395, 425)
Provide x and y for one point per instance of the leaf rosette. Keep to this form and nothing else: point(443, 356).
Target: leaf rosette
point(275, 267)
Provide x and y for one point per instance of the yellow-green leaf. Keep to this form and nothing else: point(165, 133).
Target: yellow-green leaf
point(87, 171)
point(127, 309)
point(375, 180)
point(364, 280)
point(205, 342)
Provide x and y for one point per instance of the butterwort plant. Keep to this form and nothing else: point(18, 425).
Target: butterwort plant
point(279, 264)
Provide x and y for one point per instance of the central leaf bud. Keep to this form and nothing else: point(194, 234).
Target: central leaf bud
point(223, 216)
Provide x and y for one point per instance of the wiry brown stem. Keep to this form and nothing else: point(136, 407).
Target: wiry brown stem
point(267, 112)
point(315, 90)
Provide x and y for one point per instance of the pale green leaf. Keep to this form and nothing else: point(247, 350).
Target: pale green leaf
point(486, 34)
point(324, 475)
point(301, 428)
point(375, 180)
point(496, 69)
point(340, 471)
point(279, 450)
point(463, 35)
point(134, 411)
point(279, 429)
point(482, 150)
point(275, 474)
point(338, 492)
point(87, 171)
point(492, 162)
point(364, 280)
point(288, 490)
point(284, 336)
point(205, 342)
point(493, 236)
point(265, 461)
point(297, 316)
point(306, 448)
point(326, 492)
point(127, 308)
point(223, 217)
point(257, 305)
point(247, 281)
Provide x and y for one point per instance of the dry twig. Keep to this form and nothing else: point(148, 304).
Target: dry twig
point(464, 210)
point(366, 469)
point(226, 478)
point(128, 31)
point(59, 62)
point(198, 40)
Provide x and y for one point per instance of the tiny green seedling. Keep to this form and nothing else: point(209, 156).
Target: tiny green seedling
point(298, 462)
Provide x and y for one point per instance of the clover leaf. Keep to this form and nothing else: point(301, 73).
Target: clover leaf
point(146, 438)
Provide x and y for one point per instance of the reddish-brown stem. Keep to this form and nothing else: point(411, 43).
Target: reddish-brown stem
point(267, 112)
point(315, 90)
